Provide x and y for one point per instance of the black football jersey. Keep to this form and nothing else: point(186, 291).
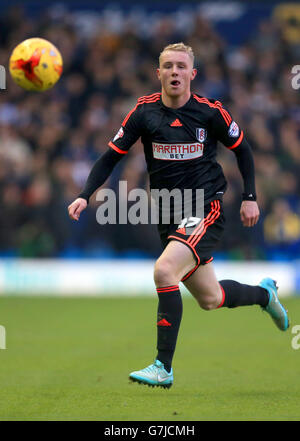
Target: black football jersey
point(180, 145)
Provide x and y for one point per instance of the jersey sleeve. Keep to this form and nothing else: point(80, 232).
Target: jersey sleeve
point(224, 128)
point(129, 132)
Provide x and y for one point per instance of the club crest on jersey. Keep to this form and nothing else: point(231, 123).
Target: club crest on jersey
point(201, 134)
point(119, 134)
point(234, 130)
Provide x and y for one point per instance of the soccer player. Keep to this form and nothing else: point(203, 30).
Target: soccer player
point(180, 130)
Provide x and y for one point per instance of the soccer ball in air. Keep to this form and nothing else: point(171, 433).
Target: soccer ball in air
point(36, 64)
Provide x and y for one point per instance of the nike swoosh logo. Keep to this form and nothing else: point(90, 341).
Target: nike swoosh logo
point(160, 380)
point(275, 297)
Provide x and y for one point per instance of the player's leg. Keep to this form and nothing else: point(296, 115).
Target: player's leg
point(176, 261)
point(204, 286)
point(202, 281)
point(211, 294)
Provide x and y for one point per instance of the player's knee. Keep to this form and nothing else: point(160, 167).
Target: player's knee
point(164, 273)
point(208, 303)
point(209, 296)
point(207, 306)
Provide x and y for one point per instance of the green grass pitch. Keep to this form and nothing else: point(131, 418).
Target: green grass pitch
point(69, 359)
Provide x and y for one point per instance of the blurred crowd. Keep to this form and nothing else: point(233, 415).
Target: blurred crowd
point(49, 141)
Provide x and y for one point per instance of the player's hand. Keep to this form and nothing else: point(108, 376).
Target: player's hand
point(249, 213)
point(76, 208)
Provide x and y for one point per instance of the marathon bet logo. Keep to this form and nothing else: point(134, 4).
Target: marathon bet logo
point(178, 152)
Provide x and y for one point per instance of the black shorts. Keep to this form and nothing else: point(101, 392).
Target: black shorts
point(201, 237)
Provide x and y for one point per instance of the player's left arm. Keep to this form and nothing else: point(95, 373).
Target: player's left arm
point(249, 209)
point(230, 134)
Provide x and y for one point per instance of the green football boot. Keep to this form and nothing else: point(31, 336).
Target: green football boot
point(153, 375)
point(274, 307)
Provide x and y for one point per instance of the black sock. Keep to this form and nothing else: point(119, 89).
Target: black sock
point(238, 294)
point(169, 315)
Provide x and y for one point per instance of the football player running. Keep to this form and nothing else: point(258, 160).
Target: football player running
point(180, 131)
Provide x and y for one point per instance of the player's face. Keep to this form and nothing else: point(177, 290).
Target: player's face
point(176, 73)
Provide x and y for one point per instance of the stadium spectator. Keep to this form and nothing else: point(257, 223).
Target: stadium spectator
point(282, 230)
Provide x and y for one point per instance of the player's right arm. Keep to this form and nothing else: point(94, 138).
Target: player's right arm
point(128, 134)
point(98, 175)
